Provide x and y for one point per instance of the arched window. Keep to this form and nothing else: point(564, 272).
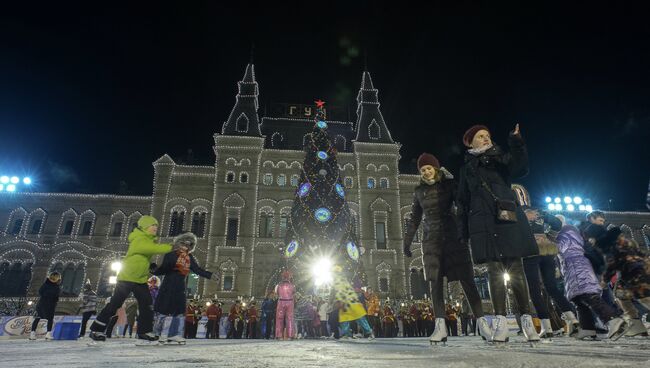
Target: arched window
point(383, 183)
point(177, 222)
point(230, 177)
point(242, 123)
point(374, 132)
point(294, 180)
point(282, 180)
point(198, 223)
point(266, 225)
point(243, 178)
point(348, 182)
point(15, 279)
point(371, 183)
point(72, 278)
point(268, 179)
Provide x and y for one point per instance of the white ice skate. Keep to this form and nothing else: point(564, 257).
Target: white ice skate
point(439, 333)
point(547, 330)
point(371, 337)
point(500, 330)
point(484, 329)
point(146, 339)
point(178, 340)
point(32, 335)
point(586, 335)
point(528, 328)
point(616, 328)
point(636, 328)
point(48, 335)
point(572, 323)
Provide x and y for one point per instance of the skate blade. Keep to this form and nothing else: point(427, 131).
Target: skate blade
point(148, 343)
point(92, 343)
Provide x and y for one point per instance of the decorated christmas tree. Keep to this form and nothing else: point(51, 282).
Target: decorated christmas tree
point(320, 226)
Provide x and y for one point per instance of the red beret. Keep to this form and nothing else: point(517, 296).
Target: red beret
point(428, 159)
point(471, 132)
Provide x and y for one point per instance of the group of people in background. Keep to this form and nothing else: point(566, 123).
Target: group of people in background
point(479, 218)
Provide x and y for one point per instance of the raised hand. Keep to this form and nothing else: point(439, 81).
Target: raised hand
point(516, 131)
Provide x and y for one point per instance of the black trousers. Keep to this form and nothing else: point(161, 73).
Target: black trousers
point(544, 266)
point(588, 303)
point(84, 321)
point(469, 288)
point(212, 329)
point(48, 316)
point(515, 268)
point(111, 326)
point(122, 291)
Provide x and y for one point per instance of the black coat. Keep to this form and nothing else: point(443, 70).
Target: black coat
point(442, 252)
point(492, 240)
point(171, 296)
point(49, 297)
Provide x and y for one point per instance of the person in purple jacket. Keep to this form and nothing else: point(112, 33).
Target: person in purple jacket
point(583, 288)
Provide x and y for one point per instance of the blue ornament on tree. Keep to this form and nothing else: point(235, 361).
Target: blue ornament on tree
point(322, 155)
point(321, 124)
point(353, 251)
point(323, 214)
point(292, 249)
point(339, 190)
point(304, 189)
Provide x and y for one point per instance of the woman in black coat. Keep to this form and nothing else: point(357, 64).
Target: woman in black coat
point(485, 178)
point(49, 297)
point(171, 299)
point(443, 254)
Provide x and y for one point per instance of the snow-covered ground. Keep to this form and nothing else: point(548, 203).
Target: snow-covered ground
point(461, 352)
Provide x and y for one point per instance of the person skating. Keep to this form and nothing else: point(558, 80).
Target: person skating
point(350, 309)
point(175, 268)
point(48, 298)
point(496, 226)
point(131, 314)
point(88, 307)
point(284, 323)
point(133, 279)
point(545, 227)
point(625, 257)
point(444, 249)
point(583, 288)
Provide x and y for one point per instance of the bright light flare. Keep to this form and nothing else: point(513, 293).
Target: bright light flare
point(322, 272)
point(116, 266)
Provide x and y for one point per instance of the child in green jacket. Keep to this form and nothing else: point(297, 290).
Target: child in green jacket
point(133, 279)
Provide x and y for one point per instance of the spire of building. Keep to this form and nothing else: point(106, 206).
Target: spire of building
point(370, 122)
point(243, 119)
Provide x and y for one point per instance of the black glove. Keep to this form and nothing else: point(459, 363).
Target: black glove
point(152, 267)
point(407, 251)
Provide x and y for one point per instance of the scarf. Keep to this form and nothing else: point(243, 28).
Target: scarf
point(182, 263)
point(478, 151)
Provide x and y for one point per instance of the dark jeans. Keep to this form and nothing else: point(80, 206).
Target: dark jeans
point(269, 326)
point(515, 268)
point(544, 266)
point(84, 321)
point(588, 303)
point(323, 329)
point(128, 326)
point(122, 291)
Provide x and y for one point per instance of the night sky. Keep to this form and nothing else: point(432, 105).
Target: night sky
point(90, 96)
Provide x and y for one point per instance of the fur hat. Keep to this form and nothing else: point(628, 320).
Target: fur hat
point(146, 221)
point(54, 277)
point(468, 137)
point(428, 159)
point(186, 239)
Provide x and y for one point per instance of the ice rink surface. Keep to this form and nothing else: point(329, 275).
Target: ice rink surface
point(395, 353)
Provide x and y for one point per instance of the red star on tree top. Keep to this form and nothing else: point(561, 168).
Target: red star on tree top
point(319, 103)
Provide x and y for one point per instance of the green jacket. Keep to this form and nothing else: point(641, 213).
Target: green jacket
point(142, 246)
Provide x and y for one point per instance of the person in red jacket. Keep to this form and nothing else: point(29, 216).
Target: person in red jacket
point(236, 323)
point(251, 316)
point(214, 315)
